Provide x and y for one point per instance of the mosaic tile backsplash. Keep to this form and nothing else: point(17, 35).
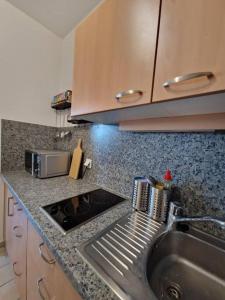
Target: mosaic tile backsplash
point(16, 137)
point(197, 161)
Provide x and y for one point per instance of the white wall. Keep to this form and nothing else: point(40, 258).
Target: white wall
point(68, 48)
point(30, 61)
point(30, 66)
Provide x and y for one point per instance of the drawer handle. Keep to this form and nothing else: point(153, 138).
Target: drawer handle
point(128, 93)
point(41, 280)
point(19, 208)
point(14, 270)
point(48, 261)
point(187, 77)
point(10, 214)
point(18, 235)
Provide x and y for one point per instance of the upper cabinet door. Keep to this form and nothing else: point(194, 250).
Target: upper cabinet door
point(191, 47)
point(114, 56)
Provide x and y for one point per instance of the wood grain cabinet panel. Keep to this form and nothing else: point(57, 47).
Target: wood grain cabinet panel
point(9, 213)
point(16, 241)
point(191, 40)
point(19, 250)
point(45, 279)
point(38, 271)
point(115, 52)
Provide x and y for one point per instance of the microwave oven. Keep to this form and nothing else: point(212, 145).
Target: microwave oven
point(45, 163)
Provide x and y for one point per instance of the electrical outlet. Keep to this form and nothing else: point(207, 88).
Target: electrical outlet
point(88, 163)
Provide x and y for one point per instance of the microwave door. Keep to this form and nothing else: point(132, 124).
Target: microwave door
point(29, 162)
point(56, 165)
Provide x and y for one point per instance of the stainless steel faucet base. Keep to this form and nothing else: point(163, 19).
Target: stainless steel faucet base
point(175, 215)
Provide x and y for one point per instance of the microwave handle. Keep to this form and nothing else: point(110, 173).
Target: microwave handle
point(35, 164)
point(32, 164)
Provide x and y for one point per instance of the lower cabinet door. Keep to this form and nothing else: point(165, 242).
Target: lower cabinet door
point(9, 215)
point(45, 279)
point(40, 266)
point(62, 287)
point(19, 250)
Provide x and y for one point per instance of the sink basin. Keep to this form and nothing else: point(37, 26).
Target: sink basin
point(138, 260)
point(187, 266)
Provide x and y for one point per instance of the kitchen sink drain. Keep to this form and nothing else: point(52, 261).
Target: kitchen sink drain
point(173, 292)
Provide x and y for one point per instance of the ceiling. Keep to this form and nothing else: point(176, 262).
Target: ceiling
point(59, 16)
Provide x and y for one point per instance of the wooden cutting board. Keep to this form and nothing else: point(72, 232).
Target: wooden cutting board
point(76, 161)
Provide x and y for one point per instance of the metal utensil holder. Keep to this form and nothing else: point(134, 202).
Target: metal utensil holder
point(158, 204)
point(140, 199)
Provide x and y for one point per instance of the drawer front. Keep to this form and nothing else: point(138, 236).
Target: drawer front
point(45, 279)
point(9, 216)
point(40, 268)
point(19, 249)
point(16, 240)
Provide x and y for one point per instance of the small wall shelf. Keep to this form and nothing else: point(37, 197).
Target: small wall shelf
point(65, 104)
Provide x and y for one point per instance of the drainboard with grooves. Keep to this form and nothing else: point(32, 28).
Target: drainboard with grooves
point(118, 254)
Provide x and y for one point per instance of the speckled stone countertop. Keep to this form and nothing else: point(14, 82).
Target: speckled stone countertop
point(33, 193)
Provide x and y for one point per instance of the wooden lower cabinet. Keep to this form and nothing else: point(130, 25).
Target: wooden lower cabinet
point(38, 276)
point(19, 250)
point(16, 241)
point(9, 213)
point(45, 279)
point(39, 279)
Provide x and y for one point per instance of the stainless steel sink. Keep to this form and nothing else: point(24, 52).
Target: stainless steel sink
point(187, 266)
point(141, 260)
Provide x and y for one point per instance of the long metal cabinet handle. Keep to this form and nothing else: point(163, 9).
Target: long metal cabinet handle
point(128, 93)
point(14, 270)
point(48, 261)
point(8, 208)
point(39, 288)
point(18, 235)
point(186, 77)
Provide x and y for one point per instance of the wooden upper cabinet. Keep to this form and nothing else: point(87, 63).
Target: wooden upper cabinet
point(191, 42)
point(114, 53)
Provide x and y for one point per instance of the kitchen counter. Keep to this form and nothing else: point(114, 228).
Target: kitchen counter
point(33, 193)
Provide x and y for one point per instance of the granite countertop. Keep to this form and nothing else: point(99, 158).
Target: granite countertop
point(33, 193)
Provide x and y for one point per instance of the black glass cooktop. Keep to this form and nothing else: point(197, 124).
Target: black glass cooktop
point(71, 212)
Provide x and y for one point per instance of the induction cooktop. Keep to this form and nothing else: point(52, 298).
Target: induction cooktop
point(69, 213)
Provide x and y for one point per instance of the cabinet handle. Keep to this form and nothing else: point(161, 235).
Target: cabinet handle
point(187, 77)
point(48, 261)
point(14, 270)
point(18, 235)
point(128, 93)
point(8, 204)
point(41, 280)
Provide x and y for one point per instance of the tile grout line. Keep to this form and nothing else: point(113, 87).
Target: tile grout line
point(6, 283)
